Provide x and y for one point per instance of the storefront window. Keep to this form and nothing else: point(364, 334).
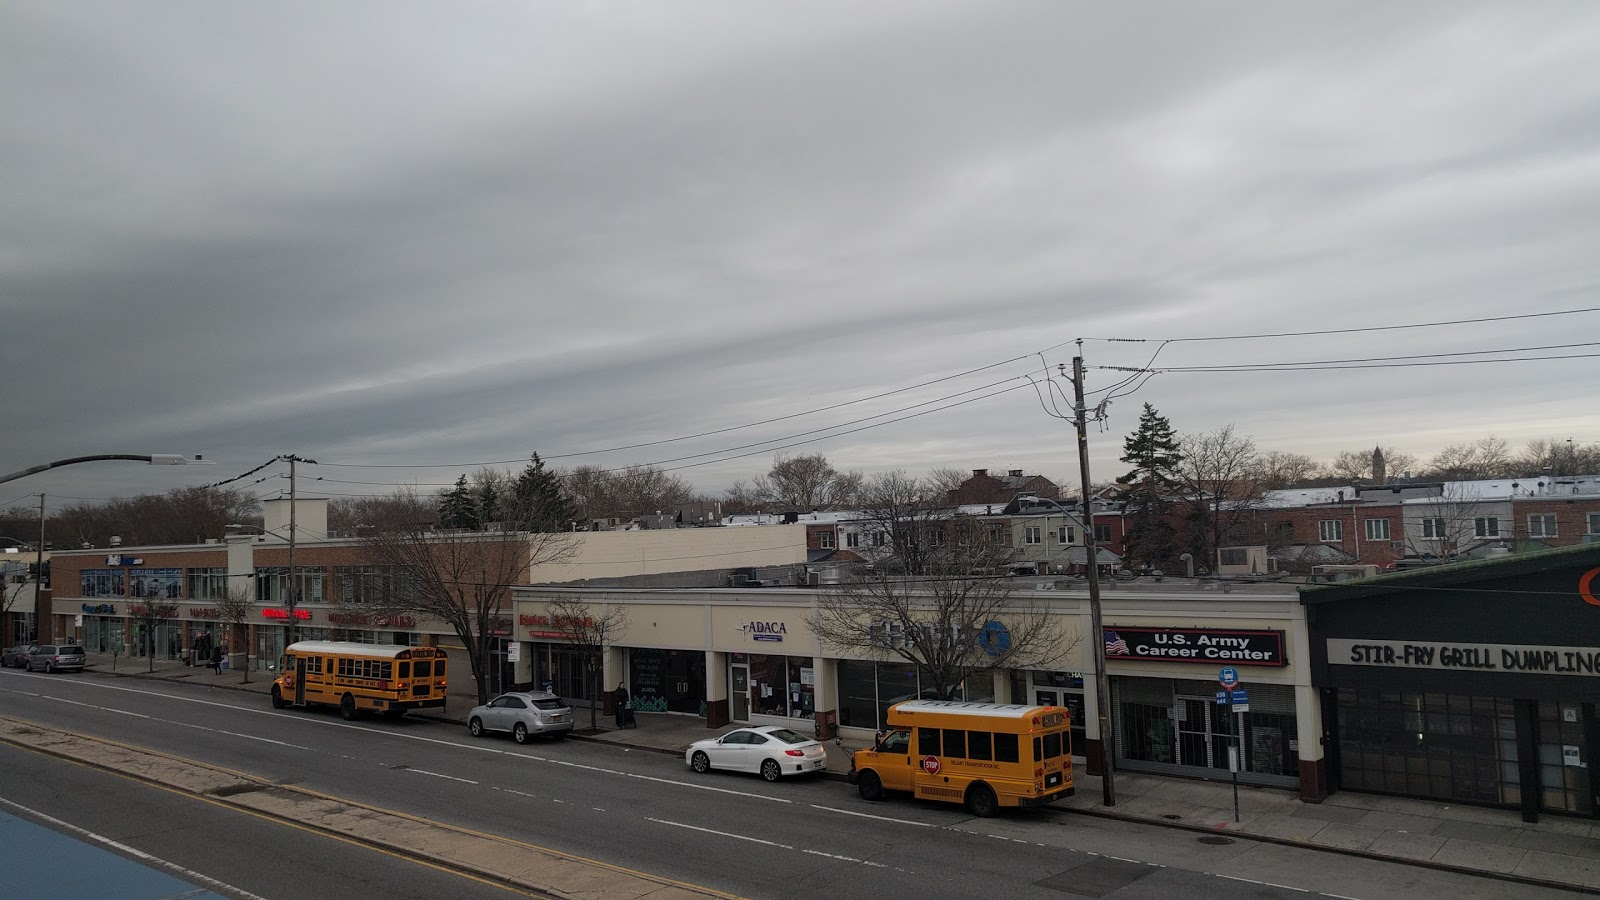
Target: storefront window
point(156, 584)
point(1445, 746)
point(101, 583)
point(1165, 722)
point(208, 584)
point(858, 694)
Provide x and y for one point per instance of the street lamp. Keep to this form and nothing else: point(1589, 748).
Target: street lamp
point(154, 459)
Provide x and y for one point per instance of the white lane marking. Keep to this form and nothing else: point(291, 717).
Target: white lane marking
point(140, 855)
point(409, 737)
point(533, 796)
point(763, 841)
point(851, 812)
point(1334, 896)
point(112, 709)
point(437, 775)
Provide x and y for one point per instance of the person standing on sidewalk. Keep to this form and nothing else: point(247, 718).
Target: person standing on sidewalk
point(624, 711)
point(216, 659)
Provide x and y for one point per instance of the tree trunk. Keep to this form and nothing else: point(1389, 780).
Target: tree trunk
point(594, 696)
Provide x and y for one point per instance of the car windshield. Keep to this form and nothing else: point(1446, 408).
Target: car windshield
point(787, 736)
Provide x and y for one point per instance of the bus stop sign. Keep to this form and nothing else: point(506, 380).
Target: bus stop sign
point(931, 765)
point(1228, 677)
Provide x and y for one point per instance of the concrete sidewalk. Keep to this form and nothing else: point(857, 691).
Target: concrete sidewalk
point(1557, 851)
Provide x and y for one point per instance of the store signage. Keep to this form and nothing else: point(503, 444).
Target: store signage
point(99, 608)
point(1521, 659)
point(350, 618)
point(1238, 648)
point(204, 612)
point(284, 614)
point(117, 559)
point(764, 631)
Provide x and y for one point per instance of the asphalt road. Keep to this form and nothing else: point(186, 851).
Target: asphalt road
point(70, 831)
point(647, 811)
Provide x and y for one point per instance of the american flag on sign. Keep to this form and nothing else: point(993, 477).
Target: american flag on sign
point(1115, 645)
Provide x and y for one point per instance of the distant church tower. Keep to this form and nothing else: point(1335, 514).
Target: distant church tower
point(1378, 468)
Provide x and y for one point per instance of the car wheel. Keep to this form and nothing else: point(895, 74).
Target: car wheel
point(520, 733)
point(347, 708)
point(277, 698)
point(870, 786)
point(981, 801)
point(700, 762)
point(770, 770)
point(49, 668)
point(475, 727)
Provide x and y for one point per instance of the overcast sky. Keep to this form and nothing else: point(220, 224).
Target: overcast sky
point(451, 233)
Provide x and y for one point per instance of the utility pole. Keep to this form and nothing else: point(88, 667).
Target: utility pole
point(38, 573)
point(1097, 647)
point(294, 580)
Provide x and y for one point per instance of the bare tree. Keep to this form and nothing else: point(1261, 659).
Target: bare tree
point(587, 633)
point(1552, 456)
point(1444, 526)
point(150, 614)
point(1221, 475)
point(1488, 457)
point(743, 498)
point(462, 579)
point(1280, 469)
point(12, 586)
point(808, 481)
point(936, 595)
point(946, 480)
point(233, 607)
point(353, 515)
point(1357, 465)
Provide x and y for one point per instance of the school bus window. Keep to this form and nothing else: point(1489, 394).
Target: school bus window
point(1005, 748)
point(1038, 750)
point(422, 668)
point(928, 741)
point(978, 743)
point(1052, 746)
point(405, 670)
point(955, 744)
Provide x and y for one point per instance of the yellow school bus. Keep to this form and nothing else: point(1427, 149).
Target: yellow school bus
point(985, 755)
point(387, 678)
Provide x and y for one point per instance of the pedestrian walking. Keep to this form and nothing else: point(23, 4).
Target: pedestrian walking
point(624, 707)
point(216, 659)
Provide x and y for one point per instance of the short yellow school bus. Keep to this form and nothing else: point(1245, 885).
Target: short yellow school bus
point(386, 678)
point(986, 755)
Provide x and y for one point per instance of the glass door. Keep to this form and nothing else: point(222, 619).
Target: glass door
point(1564, 779)
point(739, 693)
point(1203, 737)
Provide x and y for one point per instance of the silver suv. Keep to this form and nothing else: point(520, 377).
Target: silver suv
point(522, 713)
point(56, 658)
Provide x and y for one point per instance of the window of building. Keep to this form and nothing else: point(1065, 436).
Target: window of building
point(852, 539)
point(1432, 529)
point(879, 538)
point(367, 584)
point(1330, 530)
point(825, 540)
point(1067, 534)
point(1377, 529)
point(1032, 534)
point(1594, 523)
point(1443, 746)
point(1233, 556)
point(1102, 534)
point(101, 583)
point(208, 584)
point(1542, 525)
point(1486, 526)
point(156, 584)
point(272, 585)
point(997, 534)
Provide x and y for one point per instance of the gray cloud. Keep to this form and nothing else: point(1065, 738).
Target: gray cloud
point(395, 234)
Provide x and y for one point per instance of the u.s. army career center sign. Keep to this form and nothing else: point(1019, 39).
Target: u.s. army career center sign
point(1520, 659)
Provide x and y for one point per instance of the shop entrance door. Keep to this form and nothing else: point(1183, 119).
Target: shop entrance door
point(739, 693)
point(1202, 737)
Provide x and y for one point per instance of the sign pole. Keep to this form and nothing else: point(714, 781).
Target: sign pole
point(1233, 732)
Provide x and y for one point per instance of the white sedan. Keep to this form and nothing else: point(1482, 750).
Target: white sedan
point(772, 750)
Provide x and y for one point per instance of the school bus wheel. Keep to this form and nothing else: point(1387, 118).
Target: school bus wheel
point(347, 708)
point(869, 785)
point(981, 801)
point(277, 699)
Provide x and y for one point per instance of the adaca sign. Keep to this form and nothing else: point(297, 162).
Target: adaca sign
point(1203, 645)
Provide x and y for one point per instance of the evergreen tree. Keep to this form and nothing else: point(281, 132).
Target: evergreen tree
point(1154, 453)
point(540, 499)
point(489, 502)
point(458, 508)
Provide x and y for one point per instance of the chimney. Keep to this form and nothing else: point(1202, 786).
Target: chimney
point(1016, 473)
point(979, 472)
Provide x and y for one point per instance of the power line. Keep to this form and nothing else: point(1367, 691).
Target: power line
point(1336, 365)
point(1370, 328)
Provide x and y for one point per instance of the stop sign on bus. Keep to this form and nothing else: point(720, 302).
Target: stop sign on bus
point(931, 765)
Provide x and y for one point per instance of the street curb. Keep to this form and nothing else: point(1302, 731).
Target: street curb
point(1307, 845)
point(371, 843)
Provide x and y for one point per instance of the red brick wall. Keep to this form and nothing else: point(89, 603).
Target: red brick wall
point(1572, 518)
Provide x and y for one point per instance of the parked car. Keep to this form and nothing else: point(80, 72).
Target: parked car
point(56, 658)
point(523, 713)
point(771, 750)
point(16, 657)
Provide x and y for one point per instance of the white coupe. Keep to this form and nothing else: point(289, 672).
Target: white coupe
point(771, 750)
